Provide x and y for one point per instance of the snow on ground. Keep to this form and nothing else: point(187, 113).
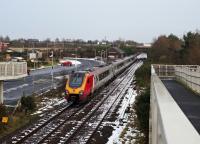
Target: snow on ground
point(48, 104)
point(128, 100)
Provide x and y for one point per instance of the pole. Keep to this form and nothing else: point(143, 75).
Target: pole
point(76, 59)
point(106, 55)
point(95, 53)
point(101, 56)
point(52, 70)
point(47, 58)
point(34, 77)
point(34, 64)
point(1, 92)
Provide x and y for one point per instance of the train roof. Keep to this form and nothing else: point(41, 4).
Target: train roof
point(105, 67)
point(80, 72)
point(121, 60)
point(84, 71)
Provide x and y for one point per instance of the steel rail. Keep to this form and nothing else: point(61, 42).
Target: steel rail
point(69, 138)
point(42, 122)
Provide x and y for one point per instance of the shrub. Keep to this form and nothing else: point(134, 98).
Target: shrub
point(27, 103)
point(143, 75)
point(3, 112)
point(142, 106)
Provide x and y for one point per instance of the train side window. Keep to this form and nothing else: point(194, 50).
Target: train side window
point(95, 78)
point(103, 75)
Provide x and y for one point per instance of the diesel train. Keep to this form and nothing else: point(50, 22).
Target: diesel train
point(82, 84)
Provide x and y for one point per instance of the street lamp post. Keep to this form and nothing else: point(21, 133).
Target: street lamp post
point(76, 59)
point(52, 68)
point(34, 77)
point(102, 51)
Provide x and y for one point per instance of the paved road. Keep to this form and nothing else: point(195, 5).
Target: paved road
point(14, 89)
point(188, 101)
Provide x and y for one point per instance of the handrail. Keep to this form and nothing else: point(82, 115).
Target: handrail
point(190, 76)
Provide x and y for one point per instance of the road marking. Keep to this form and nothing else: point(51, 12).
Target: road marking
point(15, 88)
point(41, 81)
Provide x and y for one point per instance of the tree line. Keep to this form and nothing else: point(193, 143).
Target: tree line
point(173, 50)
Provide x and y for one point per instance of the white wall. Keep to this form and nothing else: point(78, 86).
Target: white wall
point(168, 124)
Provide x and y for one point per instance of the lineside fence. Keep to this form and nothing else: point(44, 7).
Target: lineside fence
point(12, 70)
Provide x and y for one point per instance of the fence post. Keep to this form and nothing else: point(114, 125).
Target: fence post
point(1, 92)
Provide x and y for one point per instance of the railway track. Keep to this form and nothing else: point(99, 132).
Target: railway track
point(78, 124)
point(93, 120)
point(80, 127)
point(48, 117)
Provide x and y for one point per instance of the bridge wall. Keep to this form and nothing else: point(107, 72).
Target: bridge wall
point(168, 124)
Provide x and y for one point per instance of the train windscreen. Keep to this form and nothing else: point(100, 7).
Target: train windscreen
point(76, 80)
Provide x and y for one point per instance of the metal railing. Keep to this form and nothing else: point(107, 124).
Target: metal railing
point(12, 70)
point(168, 124)
point(164, 71)
point(189, 76)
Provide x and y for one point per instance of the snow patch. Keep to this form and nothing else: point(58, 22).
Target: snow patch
point(48, 104)
point(119, 124)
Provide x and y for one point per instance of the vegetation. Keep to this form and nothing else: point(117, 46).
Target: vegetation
point(128, 50)
point(143, 75)
point(172, 50)
point(142, 105)
point(24, 114)
point(3, 113)
point(28, 103)
point(142, 102)
point(16, 121)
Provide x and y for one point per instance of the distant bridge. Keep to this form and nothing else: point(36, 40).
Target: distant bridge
point(175, 104)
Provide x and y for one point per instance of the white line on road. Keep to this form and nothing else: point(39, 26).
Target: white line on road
point(15, 88)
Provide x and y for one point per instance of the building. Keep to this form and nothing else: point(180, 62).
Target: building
point(144, 46)
point(115, 53)
point(3, 46)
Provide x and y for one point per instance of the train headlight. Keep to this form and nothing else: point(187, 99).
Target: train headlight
point(81, 93)
point(66, 93)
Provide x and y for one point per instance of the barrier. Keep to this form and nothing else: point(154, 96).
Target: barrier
point(190, 76)
point(168, 124)
point(11, 70)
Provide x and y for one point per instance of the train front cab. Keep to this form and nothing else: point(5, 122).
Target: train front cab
point(79, 86)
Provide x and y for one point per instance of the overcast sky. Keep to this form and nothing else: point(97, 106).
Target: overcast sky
point(139, 20)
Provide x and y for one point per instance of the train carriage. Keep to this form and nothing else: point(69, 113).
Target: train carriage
point(82, 84)
point(102, 75)
point(79, 86)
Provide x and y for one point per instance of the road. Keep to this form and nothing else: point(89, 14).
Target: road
point(40, 80)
